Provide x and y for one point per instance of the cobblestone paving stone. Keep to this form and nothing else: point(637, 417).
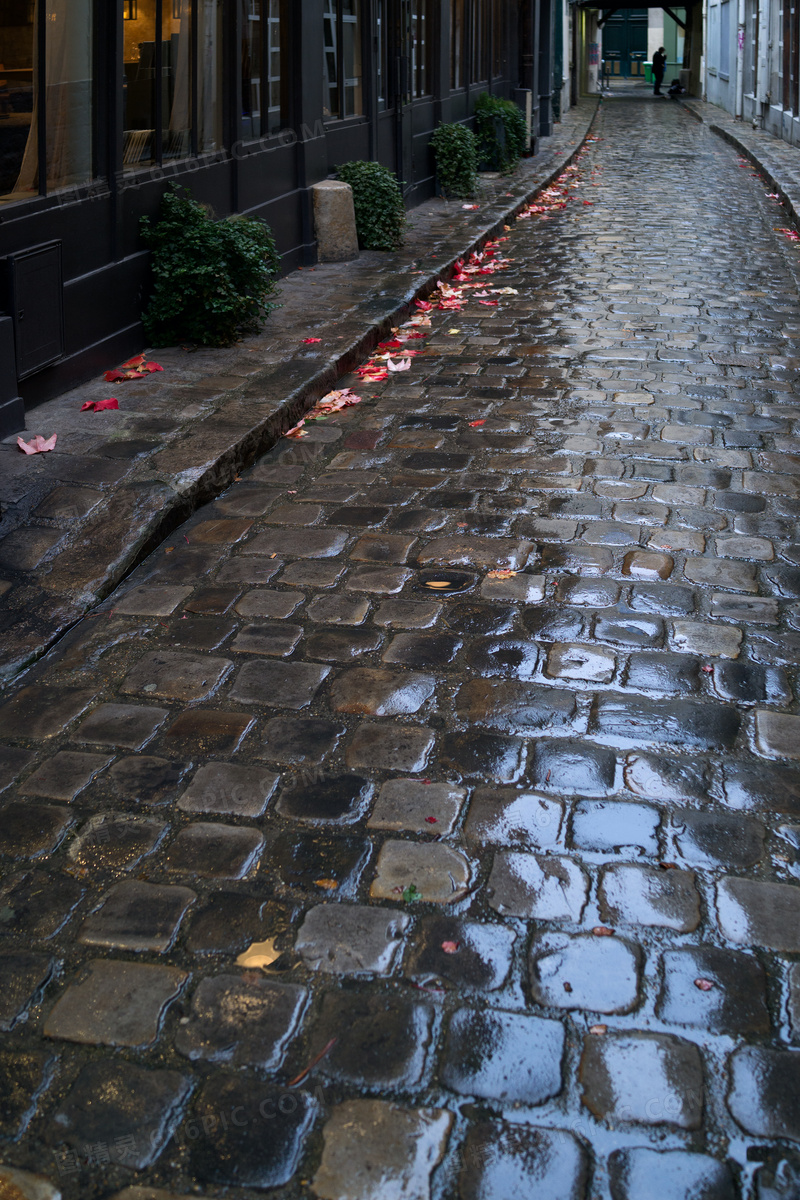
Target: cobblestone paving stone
point(318, 879)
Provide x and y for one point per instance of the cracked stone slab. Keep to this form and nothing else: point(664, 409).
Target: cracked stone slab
point(409, 804)
point(650, 896)
point(115, 1004)
point(23, 978)
point(375, 692)
point(523, 820)
point(228, 789)
point(501, 1159)
point(675, 1175)
point(128, 725)
point(263, 1147)
point(131, 1111)
point(598, 974)
point(537, 887)
point(23, 1185)
point(241, 1021)
point(176, 676)
point(38, 711)
point(764, 1091)
point(491, 553)
point(505, 1057)
point(440, 874)
point(755, 913)
point(360, 1134)
point(350, 939)
point(137, 916)
point(642, 1078)
point(279, 685)
point(64, 775)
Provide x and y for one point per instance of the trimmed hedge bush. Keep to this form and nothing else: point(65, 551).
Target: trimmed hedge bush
point(455, 150)
point(212, 279)
point(498, 154)
point(378, 201)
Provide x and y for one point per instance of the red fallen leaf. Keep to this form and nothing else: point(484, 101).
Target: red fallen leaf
point(476, 424)
point(114, 376)
point(136, 361)
point(488, 303)
point(705, 985)
point(426, 781)
point(310, 341)
point(152, 366)
point(423, 305)
point(588, 202)
point(707, 669)
point(602, 931)
point(99, 405)
point(393, 345)
point(37, 444)
point(431, 820)
point(450, 947)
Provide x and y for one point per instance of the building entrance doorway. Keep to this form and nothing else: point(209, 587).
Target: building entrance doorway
point(625, 43)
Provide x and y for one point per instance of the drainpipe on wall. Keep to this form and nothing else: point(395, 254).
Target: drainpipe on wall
point(740, 33)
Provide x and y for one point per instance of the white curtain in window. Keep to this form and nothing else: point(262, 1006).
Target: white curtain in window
point(209, 100)
point(209, 92)
point(68, 90)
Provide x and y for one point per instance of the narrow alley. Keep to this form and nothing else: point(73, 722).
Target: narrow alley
point(421, 819)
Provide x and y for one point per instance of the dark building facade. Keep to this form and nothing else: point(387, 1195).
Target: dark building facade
point(247, 102)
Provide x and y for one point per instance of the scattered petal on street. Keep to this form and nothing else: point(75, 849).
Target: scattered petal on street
point(38, 444)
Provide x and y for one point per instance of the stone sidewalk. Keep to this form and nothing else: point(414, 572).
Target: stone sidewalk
point(74, 521)
point(777, 161)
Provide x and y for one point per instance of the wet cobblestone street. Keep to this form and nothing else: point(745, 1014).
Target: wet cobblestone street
point(316, 876)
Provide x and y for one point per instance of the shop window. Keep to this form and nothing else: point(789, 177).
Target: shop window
point(46, 100)
point(479, 40)
point(725, 38)
point(499, 38)
point(457, 34)
point(420, 39)
point(382, 56)
point(262, 108)
point(172, 84)
point(343, 81)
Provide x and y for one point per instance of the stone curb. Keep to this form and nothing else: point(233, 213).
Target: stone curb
point(153, 501)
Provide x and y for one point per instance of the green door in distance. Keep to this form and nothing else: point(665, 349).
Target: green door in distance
point(625, 43)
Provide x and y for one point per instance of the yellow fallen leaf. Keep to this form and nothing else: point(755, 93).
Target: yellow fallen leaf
point(501, 574)
point(454, 331)
point(330, 885)
point(259, 954)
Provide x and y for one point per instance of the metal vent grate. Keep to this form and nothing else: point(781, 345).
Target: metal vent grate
point(37, 307)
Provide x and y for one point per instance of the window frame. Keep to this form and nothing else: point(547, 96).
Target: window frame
point(361, 21)
point(265, 81)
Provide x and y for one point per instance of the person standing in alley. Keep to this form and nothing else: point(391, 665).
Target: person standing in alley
point(659, 66)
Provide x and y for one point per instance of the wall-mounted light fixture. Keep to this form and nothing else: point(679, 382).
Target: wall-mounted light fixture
point(130, 10)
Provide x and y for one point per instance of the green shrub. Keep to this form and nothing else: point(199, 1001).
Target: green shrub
point(495, 153)
point(211, 278)
point(380, 212)
point(456, 152)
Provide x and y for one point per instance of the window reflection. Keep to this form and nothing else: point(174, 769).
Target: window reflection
point(261, 67)
point(56, 99)
point(158, 80)
point(456, 43)
point(342, 64)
